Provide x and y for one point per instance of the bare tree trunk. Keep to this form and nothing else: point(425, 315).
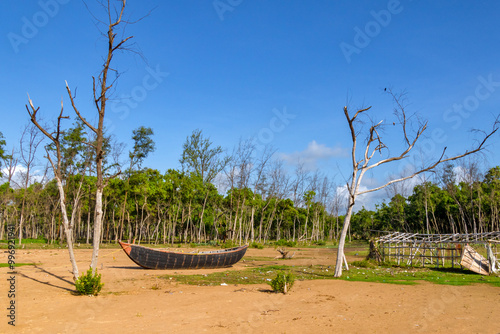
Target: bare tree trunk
point(97, 229)
point(58, 173)
point(202, 225)
point(252, 220)
point(68, 230)
point(343, 235)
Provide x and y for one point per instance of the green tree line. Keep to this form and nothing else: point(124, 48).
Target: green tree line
point(242, 197)
point(470, 205)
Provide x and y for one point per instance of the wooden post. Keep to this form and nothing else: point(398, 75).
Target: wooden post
point(453, 258)
point(437, 256)
point(423, 257)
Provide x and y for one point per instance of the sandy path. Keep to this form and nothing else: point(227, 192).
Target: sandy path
point(136, 299)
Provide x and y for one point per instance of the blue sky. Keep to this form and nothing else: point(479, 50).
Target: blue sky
point(280, 71)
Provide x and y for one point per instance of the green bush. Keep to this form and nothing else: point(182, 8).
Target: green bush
point(283, 282)
point(283, 242)
point(207, 243)
point(39, 240)
point(364, 264)
point(320, 243)
point(88, 284)
point(229, 244)
point(257, 245)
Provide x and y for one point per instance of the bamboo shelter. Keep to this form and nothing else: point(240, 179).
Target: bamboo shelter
point(476, 251)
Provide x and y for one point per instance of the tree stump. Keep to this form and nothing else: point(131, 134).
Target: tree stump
point(284, 254)
point(374, 253)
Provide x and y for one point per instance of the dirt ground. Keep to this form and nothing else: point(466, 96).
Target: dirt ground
point(135, 299)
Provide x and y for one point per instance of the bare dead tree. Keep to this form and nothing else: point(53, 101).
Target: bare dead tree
point(374, 144)
point(299, 184)
point(59, 176)
point(471, 176)
point(101, 91)
point(337, 201)
point(10, 165)
point(297, 189)
point(239, 173)
point(259, 184)
point(403, 188)
point(30, 140)
point(242, 162)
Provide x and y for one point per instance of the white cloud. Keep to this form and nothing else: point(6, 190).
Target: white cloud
point(313, 154)
point(19, 177)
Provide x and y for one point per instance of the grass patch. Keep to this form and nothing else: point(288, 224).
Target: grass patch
point(363, 253)
point(364, 264)
point(392, 275)
point(407, 275)
point(116, 293)
point(287, 243)
point(56, 245)
point(6, 265)
point(258, 258)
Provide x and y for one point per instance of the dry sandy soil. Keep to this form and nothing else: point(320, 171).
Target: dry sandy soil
point(136, 300)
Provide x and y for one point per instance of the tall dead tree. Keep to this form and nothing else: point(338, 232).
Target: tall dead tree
point(30, 140)
point(114, 23)
point(368, 161)
point(59, 176)
point(10, 163)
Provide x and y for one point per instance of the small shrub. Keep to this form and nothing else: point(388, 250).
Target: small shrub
point(257, 245)
point(39, 240)
point(364, 264)
point(88, 284)
point(283, 282)
point(228, 244)
point(320, 243)
point(207, 243)
point(283, 242)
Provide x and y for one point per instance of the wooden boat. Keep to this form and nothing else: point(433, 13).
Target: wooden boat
point(163, 259)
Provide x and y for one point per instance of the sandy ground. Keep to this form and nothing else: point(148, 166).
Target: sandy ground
point(135, 299)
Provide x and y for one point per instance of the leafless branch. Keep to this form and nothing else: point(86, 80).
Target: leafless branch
point(77, 111)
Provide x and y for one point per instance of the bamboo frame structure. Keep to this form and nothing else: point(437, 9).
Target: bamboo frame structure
point(438, 250)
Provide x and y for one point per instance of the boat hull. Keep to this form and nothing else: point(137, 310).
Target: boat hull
point(161, 259)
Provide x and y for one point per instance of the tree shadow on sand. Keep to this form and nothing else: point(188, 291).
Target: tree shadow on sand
point(48, 283)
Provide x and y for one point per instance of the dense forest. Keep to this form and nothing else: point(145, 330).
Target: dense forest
point(247, 195)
